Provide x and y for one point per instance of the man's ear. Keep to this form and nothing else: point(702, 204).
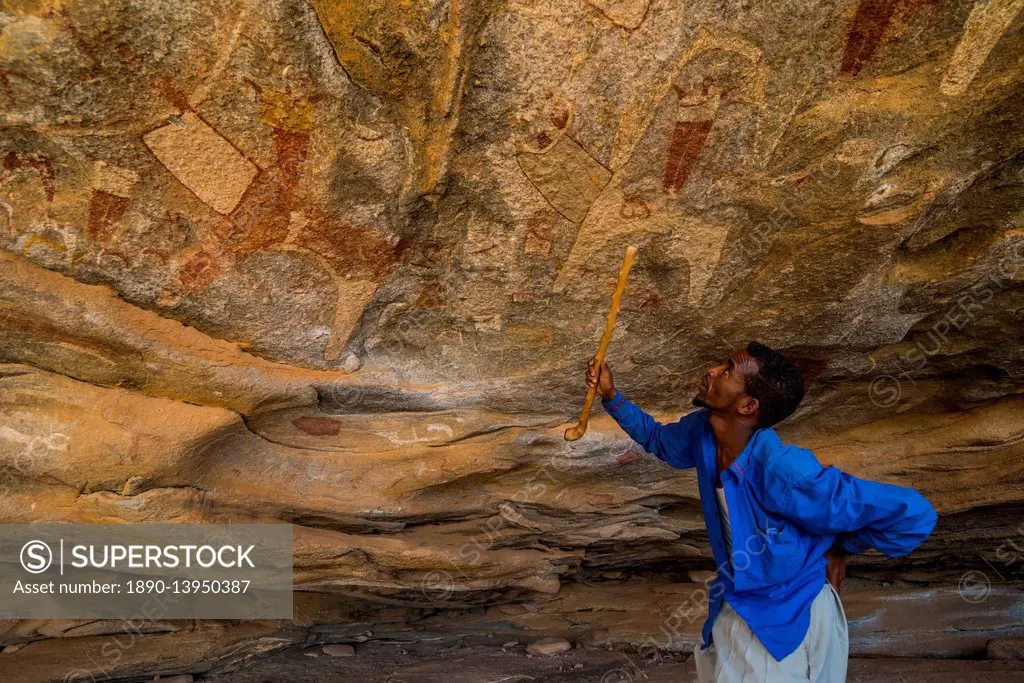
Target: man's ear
point(748, 405)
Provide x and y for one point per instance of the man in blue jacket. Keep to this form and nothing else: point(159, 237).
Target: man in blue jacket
point(780, 524)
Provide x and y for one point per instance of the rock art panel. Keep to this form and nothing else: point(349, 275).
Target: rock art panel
point(203, 161)
point(275, 214)
point(640, 110)
point(717, 70)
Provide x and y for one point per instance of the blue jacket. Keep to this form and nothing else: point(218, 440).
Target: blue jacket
point(785, 512)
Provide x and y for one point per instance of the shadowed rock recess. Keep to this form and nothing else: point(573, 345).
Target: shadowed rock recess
point(341, 264)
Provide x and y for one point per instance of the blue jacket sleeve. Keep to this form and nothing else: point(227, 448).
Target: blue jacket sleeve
point(864, 514)
point(673, 443)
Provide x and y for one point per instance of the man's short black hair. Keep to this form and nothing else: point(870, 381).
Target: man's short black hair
point(778, 386)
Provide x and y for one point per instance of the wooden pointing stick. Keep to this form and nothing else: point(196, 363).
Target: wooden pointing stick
point(574, 433)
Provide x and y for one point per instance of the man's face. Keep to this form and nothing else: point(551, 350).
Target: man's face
point(723, 386)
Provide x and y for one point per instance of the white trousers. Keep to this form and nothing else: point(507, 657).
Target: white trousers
point(737, 656)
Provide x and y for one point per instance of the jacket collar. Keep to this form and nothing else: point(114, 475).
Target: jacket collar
point(742, 464)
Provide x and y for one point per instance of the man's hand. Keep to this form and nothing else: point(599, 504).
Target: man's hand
point(602, 380)
point(836, 569)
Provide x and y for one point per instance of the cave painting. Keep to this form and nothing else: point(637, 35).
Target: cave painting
point(549, 119)
point(357, 259)
point(203, 161)
point(872, 21)
point(414, 57)
point(241, 208)
point(628, 14)
point(700, 242)
point(290, 119)
point(638, 114)
point(105, 210)
point(110, 199)
point(561, 170)
point(718, 67)
point(985, 26)
point(694, 118)
point(265, 214)
point(15, 162)
point(567, 176)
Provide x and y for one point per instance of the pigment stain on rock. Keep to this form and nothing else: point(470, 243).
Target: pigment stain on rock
point(873, 22)
point(105, 210)
point(317, 426)
point(15, 162)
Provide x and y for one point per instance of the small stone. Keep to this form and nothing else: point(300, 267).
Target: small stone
point(578, 665)
point(360, 638)
point(311, 653)
point(13, 648)
point(339, 650)
point(593, 638)
point(511, 643)
point(549, 646)
point(352, 363)
point(700, 576)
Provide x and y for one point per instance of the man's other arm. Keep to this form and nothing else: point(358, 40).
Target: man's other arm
point(863, 514)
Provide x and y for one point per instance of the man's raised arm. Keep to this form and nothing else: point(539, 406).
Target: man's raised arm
point(672, 443)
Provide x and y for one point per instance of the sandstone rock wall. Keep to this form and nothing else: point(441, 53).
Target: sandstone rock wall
point(341, 265)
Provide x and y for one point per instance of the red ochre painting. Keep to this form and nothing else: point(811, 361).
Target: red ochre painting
point(870, 23)
point(688, 139)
